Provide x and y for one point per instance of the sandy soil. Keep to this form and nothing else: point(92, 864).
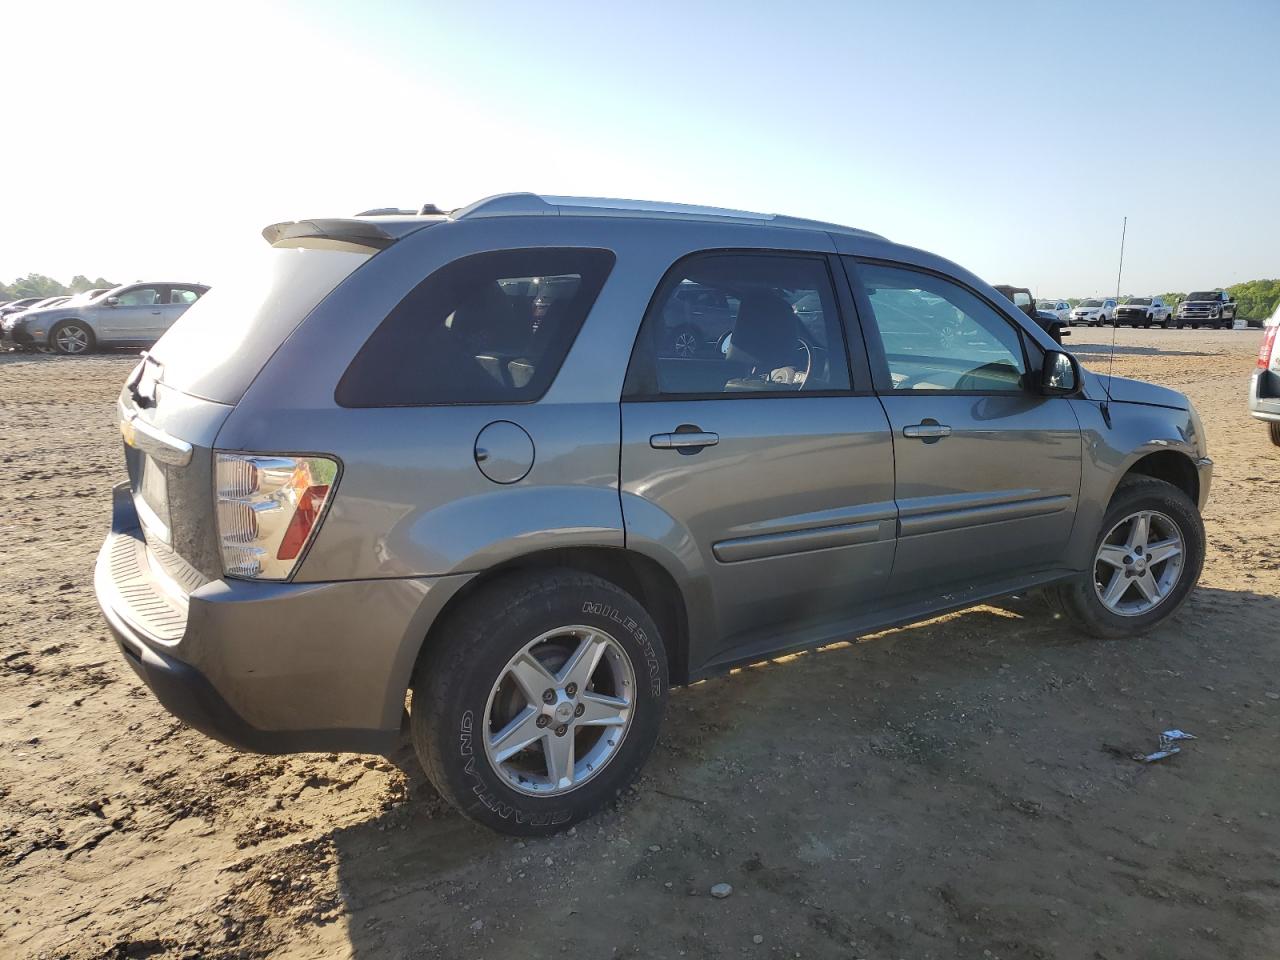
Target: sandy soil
point(961, 788)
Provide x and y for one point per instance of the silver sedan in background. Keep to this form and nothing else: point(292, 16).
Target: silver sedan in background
point(131, 315)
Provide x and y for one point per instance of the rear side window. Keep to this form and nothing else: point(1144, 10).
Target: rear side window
point(489, 328)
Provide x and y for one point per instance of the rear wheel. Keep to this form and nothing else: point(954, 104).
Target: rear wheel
point(540, 702)
point(71, 337)
point(1274, 430)
point(1147, 559)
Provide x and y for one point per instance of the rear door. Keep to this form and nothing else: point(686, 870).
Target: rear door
point(988, 470)
point(769, 461)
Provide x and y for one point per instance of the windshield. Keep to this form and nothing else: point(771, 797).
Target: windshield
point(1050, 305)
point(1139, 301)
point(1203, 295)
point(1090, 303)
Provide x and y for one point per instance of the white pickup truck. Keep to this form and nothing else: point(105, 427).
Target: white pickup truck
point(1143, 312)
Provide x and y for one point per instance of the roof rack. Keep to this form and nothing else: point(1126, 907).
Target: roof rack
point(535, 205)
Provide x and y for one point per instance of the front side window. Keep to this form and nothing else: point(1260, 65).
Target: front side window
point(488, 328)
point(937, 335)
point(741, 323)
point(139, 297)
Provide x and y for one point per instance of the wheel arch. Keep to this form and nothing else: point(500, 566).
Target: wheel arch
point(1172, 466)
point(653, 586)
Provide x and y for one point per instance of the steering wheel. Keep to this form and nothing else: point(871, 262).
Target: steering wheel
point(808, 365)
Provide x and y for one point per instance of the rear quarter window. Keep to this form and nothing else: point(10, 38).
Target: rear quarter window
point(489, 328)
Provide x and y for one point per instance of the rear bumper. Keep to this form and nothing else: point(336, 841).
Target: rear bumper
point(268, 667)
point(1264, 396)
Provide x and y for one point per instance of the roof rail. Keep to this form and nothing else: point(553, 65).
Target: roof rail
point(535, 205)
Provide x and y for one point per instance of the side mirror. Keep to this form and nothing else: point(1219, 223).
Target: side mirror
point(1060, 375)
point(113, 301)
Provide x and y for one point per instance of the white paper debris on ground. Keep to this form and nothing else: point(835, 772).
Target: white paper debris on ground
point(1167, 748)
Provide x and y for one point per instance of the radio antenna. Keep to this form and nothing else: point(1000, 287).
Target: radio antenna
point(1115, 325)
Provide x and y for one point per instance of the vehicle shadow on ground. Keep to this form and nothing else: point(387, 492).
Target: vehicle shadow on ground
point(983, 759)
point(1121, 350)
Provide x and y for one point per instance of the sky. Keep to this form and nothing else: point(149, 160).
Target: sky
point(156, 140)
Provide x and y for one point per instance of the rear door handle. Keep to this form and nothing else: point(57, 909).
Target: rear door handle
point(679, 441)
point(930, 431)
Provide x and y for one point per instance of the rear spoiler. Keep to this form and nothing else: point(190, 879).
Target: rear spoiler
point(378, 233)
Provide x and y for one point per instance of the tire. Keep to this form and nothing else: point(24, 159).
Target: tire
point(1273, 429)
point(72, 338)
point(463, 687)
point(1079, 599)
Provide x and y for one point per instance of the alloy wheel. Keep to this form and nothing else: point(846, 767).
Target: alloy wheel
point(71, 338)
point(685, 344)
point(559, 710)
point(1138, 563)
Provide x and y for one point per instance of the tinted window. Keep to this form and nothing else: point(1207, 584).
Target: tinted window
point(139, 297)
point(741, 323)
point(938, 336)
point(489, 328)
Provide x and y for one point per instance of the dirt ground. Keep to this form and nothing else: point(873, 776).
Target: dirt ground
point(960, 788)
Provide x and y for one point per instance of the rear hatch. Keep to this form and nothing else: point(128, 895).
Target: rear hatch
point(177, 399)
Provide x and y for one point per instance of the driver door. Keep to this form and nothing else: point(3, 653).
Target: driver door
point(988, 468)
point(134, 315)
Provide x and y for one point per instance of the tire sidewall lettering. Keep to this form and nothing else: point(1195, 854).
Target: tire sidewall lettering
point(629, 624)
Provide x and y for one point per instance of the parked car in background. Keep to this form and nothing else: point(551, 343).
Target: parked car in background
point(696, 319)
point(132, 315)
point(1094, 312)
point(1021, 298)
point(1142, 312)
point(16, 306)
point(459, 456)
point(1264, 388)
point(1207, 308)
point(45, 303)
point(1059, 308)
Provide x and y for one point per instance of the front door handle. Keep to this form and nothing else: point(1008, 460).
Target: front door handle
point(930, 431)
point(693, 439)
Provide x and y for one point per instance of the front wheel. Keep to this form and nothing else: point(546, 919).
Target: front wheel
point(71, 338)
point(1274, 430)
point(684, 342)
point(1147, 559)
point(541, 700)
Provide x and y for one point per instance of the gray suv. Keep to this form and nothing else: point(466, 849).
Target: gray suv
point(452, 471)
point(132, 315)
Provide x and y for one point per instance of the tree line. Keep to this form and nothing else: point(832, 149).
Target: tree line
point(38, 285)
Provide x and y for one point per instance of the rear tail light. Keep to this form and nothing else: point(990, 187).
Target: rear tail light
point(1268, 348)
point(268, 510)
